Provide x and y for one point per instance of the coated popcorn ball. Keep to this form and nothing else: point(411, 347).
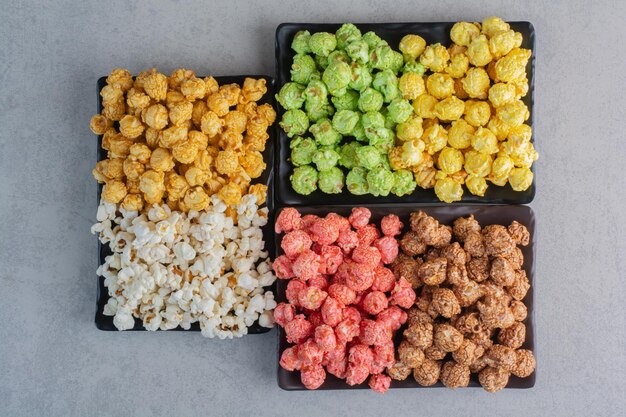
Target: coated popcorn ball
point(114, 191)
point(410, 355)
point(356, 374)
point(440, 85)
point(493, 379)
point(462, 33)
point(525, 363)
point(284, 313)
point(402, 294)
point(367, 235)
point(447, 338)
point(457, 68)
point(380, 383)
point(502, 272)
point(520, 286)
point(120, 78)
point(399, 371)
point(318, 281)
point(476, 83)
point(346, 330)
point(294, 287)
point(360, 277)
point(444, 302)
point(289, 219)
point(360, 217)
point(309, 353)
point(433, 272)
point(417, 316)
point(99, 124)
point(384, 279)
point(449, 109)
point(295, 242)
point(427, 373)
point(460, 134)
point(477, 113)
point(375, 302)
point(325, 337)
point(155, 85)
point(324, 231)
point(468, 292)
point(391, 225)
point(513, 336)
point(289, 359)
point(519, 310)
point(411, 244)
point(424, 106)
point(419, 335)
point(499, 356)
point(454, 375)
point(311, 298)
point(497, 239)
point(478, 51)
point(342, 293)
point(306, 265)
point(312, 376)
point(360, 354)
point(388, 248)
point(467, 353)
point(392, 318)
point(520, 179)
point(316, 319)
point(513, 114)
point(433, 353)
point(332, 311)
point(435, 57)
point(448, 190)
point(298, 329)
point(331, 258)
point(512, 67)
point(367, 255)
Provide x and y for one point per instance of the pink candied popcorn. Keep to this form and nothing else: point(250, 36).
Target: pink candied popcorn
point(356, 374)
point(325, 337)
point(289, 359)
point(310, 353)
point(306, 265)
point(341, 222)
point(384, 280)
point(392, 318)
point(402, 294)
point(308, 220)
point(293, 289)
point(289, 219)
point(342, 293)
point(311, 298)
point(367, 235)
point(318, 281)
point(388, 247)
point(298, 329)
point(338, 368)
point(331, 258)
point(346, 330)
point(284, 313)
point(282, 267)
point(368, 255)
point(360, 354)
point(391, 225)
point(332, 311)
point(384, 354)
point(372, 333)
point(375, 302)
point(360, 277)
point(347, 240)
point(352, 313)
point(380, 383)
point(315, 317)
point(324, 231)
point(360, 217)
point(295, 242)
point(313, 376)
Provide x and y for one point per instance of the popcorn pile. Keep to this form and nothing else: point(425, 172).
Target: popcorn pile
point(344, 304)
point(470, 316)
point(172, 269)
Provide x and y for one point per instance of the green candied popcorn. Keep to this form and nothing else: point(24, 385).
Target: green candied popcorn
point(370, 100)
point(316, 110)
point(372, 120)
point(358, 51)
point(345, 120)
point(387, 83)
point(382, 139)
point(373, 40)
point(412, 66)
point(400, 110)
point(300, 42)
point(302, 150)
point(335, 56)
point(347, 153)
point(316, 92)
point(325, 158)
point(337, 76)
point(382, 57)
point(294, 122)
point(403, 183)
point(290, 96)
point(304, 180)
point(346, 34)
point(348, 101)
point(397, 62)
point(385, 163)
point(359, 132)
point(361, 77)
point(389, 123)
point(331, 181)
point(322, 43)
point(380, 180)
point(321, 61)
point(368, 157)
point(356, 181)
point(302, 68)
point(324, 133)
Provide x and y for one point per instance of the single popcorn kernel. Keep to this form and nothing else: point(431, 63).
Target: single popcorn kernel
point(120, 78)
point(133, 202)
point(227, 162)
point(230, 194)
point(99, 124)
point(196, 199)
point(155, 85)
point(114, 191)
point(131, 126)
point(193, 88)
point(253, 164)
point(155, 116)
point(181, 112)
point(253, 90)
point(161, 160)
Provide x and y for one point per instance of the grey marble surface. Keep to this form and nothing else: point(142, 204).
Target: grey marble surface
point(54, 362)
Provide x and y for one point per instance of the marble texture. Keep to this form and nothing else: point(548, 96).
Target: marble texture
point(53, 360)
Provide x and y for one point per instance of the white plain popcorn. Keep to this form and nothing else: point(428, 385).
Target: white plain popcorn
point(171, 269)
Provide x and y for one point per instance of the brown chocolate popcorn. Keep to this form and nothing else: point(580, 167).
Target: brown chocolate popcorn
point(493, 379)
point(519, 233)
point(420, 335)
point(427, 373)
point(454, 375)
point(433, 272)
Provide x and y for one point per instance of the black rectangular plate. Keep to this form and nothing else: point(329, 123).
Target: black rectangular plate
point(392, 33)
point(485, 215)
point(106, 322)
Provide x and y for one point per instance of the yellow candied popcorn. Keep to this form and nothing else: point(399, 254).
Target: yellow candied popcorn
point(173, 97)
point(205, 159)
point(185, 152)
point(155, 116)
point(119, 146)
point(266, 112)
point(477, 163)
point(133, 186)
point(196, 176)
point(114, 191)
point(424, 106)
point(230, 194)
point(460, 134)
point(193, 88)
point(236, 121)
point(212, 85)
point(440, 85)
point(520, 134)
point(172, 135)
point(260, 191)
point(458, 66)
point(476, 83)
point(448, 190)
point(435, 138)
point(161, 160)
point(523, 154)
point(253, 164)
point(411, 85)
point(199, 109)
point(257, 125)
point(111, 168)
point(501, 43)
point(492, 25)
point(499, 128)
point(196, 199)
point(512, 67)
point(459, 91)
point(435, 57)
point(133, 168)
point(485, 141)
point(477, 113)
point(449, 109)
point(176, 185)
point(211, 124)
point(137, 99)
point(395, 158)
point(425, 176)
point(111, 94)
point(520, 179)
point(155, 85)
point(458, 176)
point(199, 139)
point(231, 93)
point(255, 143)
point(521, 87)
point(501, 94)
point(120, 78)
point(252, 90)
point(478, 51)
point(99, 124)
point(227, 162)
point(180, 112)
point(133, 202)
point(412, 46)
point(463, 33)
point(500, 169)
point(131, 126)
point(450, 160)
point(476, 185)
point(514, 113)
point(412, 152)
point(218, 104)
point(178, 76)
point(115, 111)
point(411, 129)
point(140, 152)
point(230, 139)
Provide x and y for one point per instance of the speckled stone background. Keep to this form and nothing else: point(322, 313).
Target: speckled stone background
point(53, 360)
